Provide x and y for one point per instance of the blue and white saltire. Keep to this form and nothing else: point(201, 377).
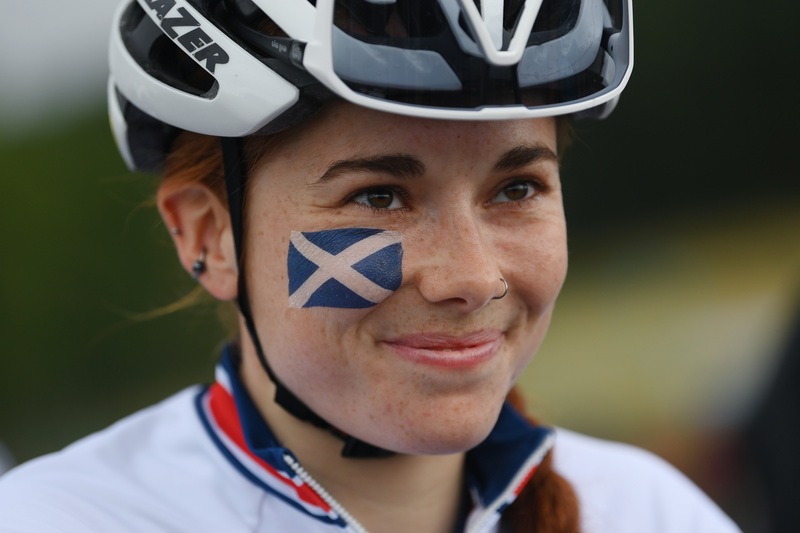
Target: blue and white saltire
point(350, 268)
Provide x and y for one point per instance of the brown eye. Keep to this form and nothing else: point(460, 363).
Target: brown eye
point(515, 192)
point(379, 199)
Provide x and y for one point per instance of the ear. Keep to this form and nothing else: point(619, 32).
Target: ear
point(198, 221)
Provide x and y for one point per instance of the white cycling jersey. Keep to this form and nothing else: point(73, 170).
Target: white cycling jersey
point(205, 461)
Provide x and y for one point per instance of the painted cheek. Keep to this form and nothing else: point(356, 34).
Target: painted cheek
point(350, 268)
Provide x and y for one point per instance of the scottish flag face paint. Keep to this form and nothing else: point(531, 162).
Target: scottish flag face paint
point(351, 268)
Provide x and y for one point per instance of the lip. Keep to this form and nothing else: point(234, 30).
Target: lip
point(450, 351)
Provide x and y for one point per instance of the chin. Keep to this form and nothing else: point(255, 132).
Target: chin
point(436, 435)
point(444, 444)
point(453, 446)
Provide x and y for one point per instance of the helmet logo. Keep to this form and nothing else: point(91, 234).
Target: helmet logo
point(185, 30)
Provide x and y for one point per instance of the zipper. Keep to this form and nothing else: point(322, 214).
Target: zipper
point(481, 525)
point(324, 494)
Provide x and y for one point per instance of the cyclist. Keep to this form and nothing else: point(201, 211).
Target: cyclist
point(375, 183)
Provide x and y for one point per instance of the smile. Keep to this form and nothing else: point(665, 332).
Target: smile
point(437, 349)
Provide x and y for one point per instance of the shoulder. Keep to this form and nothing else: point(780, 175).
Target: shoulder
point(623, 489)
point(139, 474)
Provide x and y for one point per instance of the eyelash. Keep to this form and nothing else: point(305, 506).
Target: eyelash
point(398, 192)
point(537, 188)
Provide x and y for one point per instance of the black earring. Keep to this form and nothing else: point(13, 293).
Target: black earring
point(199, 266)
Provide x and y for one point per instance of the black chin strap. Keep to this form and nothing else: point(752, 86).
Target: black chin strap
point(235, 180)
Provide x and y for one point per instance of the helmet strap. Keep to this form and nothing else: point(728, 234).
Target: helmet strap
point(235, 182)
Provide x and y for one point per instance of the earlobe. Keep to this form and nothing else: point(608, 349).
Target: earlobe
point(201, 231)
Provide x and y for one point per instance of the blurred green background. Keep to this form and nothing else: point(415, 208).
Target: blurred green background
point(684, 213)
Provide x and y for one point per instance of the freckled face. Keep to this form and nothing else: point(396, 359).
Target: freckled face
point(427, 369)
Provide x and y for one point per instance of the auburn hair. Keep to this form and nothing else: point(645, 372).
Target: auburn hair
point(548, 503)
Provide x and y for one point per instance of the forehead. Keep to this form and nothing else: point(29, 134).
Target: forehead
point(344, 130)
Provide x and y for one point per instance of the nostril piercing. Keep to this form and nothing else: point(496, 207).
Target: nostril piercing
point(505, 290)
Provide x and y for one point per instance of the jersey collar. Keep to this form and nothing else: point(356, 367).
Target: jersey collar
point(496, 470)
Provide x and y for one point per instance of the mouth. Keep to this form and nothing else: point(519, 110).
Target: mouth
point(450, 351)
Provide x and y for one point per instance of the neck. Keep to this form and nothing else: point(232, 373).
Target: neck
point(392, 494)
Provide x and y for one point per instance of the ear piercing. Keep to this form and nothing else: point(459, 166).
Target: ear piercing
point(199, 266)
point(505, 290)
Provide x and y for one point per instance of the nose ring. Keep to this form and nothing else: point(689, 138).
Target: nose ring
point(505, 290)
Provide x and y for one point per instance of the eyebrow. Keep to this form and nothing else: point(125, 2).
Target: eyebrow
point(520, 156)
point(406, 166)
point(399, 165)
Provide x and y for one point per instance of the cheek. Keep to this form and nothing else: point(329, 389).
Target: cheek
point(302, 347)
point(538, 263)
point(267, 277)
point(317, 354)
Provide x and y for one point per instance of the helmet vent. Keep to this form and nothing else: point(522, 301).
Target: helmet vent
point(161, 57)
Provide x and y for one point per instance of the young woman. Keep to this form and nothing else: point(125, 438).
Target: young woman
point(375, 183)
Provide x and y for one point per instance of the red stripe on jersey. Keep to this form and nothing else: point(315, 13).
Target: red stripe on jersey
point(223, 408)
point(525, 481)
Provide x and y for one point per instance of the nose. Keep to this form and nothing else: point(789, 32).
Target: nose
point(458, 264)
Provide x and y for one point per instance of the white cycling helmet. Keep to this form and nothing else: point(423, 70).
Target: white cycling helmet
point(208, 66)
